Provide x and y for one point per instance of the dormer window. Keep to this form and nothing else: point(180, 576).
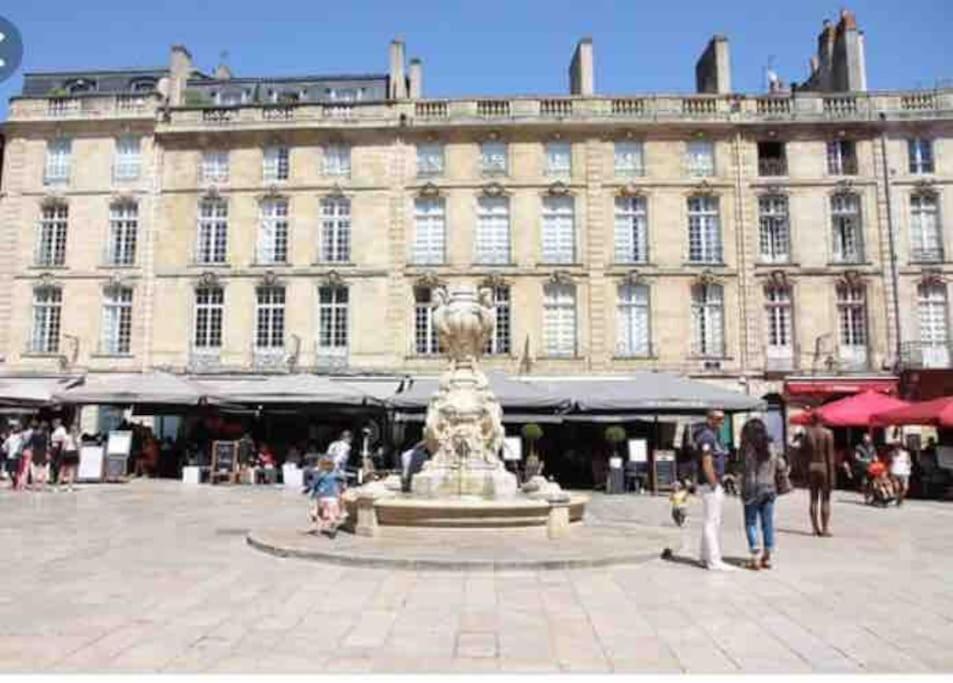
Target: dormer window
point(143, 85)
point(79, 86)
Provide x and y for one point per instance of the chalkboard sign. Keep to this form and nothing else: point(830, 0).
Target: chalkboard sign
point(224, 457)
point(665, 473)
point(115, 467)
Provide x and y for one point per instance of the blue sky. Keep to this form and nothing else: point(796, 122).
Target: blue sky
point(487, 46)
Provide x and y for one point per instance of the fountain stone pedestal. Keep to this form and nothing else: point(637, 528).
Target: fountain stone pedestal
point(464, 429)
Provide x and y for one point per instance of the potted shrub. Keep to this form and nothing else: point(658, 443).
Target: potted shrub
point(615, 435)
point(532, 432)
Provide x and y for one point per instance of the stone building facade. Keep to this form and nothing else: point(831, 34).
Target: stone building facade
point(209, 223)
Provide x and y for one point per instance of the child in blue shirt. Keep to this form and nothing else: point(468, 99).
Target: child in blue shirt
point(325, 491)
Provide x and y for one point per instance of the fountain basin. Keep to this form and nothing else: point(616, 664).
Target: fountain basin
point(464, 512)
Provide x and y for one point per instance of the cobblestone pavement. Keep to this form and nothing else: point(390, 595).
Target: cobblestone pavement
point(154, 576)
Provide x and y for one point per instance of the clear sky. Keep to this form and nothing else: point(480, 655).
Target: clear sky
point(483, 46)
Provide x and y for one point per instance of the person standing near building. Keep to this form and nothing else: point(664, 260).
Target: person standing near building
point(57, 438)
point(40, 462)
point(900, 467)
point(340, 450)
point(759, 490)
point(12, 450)
point(818, 450)
point(864, 454)
point(713, 457)
point(69, 458)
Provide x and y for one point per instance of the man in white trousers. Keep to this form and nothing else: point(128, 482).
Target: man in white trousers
point(713, 457)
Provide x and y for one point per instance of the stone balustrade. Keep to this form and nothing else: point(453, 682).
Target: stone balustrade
point(804, 107)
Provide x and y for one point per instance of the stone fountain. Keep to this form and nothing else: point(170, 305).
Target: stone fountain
point(465, 482)
point(464, 426)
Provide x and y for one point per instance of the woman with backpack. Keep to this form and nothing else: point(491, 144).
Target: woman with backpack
point(763, 471)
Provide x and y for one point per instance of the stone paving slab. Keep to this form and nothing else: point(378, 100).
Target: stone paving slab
point(158, 577)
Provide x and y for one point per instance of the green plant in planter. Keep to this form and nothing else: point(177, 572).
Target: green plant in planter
point(614, 436)
point(58, 92)
point(196, 99)
point(532, 432)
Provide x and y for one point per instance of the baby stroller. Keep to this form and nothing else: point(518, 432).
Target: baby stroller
point(878, 489)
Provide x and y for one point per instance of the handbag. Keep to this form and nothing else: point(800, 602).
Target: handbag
point(782, 479)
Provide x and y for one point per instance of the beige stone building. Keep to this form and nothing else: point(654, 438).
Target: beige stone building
point(202, 223)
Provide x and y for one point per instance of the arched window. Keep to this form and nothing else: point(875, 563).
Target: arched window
point(123, 233)
point(117, 321)
point(704, 230)
point(633, 333)
point(631, 230)
point(335, 229)
point(925, 233)
point(273, 231)
point(933, 318)
point(559, 319)
point(775, 236)
point(45, 336)
point(779, 326)
point(847, 228)
point(425, 335)
point(332, 319)
point(852, 324)
point(708, 320)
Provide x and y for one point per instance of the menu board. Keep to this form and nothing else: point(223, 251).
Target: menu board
point(90, 463)
point(512, 449)
point(224, 456)
point(665, 472)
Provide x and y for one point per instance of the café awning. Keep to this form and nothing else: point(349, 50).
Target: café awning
point(650, 392)
point(938, 413)
point(32, 391)
point(153, 388)
point(510, 392)
point(286, 389)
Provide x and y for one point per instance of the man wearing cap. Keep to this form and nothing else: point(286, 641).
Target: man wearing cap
point(712, 456)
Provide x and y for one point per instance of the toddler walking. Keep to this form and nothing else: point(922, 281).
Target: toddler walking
point(326, 494)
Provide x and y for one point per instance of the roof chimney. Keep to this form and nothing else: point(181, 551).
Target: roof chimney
point(581, 76)
point(397, 84)
point(713, 69)
point(416, 78)
point(180, 69)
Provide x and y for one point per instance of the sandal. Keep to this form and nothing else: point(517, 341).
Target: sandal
point(753, 564)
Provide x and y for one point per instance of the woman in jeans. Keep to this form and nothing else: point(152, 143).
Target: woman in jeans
point(759, 490)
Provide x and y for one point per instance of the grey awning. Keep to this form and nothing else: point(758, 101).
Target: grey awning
point(32, 391)
point(286, 389)
point(649, 392)
point(155, 388)
point(510, 392)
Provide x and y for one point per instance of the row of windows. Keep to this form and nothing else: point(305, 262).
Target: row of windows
point(628, 159)
point(559, 328)
point(492, 237)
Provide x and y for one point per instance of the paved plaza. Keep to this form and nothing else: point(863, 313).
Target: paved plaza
point(155, 576)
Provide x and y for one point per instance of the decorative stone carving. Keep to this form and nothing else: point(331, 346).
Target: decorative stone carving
point(428, 189)
point(493, 189)
point(557, 189)
point(778, 279)
point(269, 279)
point(932, 276)
point(851, 278)
point(208, 279)
point(464, 429)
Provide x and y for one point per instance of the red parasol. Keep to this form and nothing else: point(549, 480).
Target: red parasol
point(938, 412)
point(853, 411)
